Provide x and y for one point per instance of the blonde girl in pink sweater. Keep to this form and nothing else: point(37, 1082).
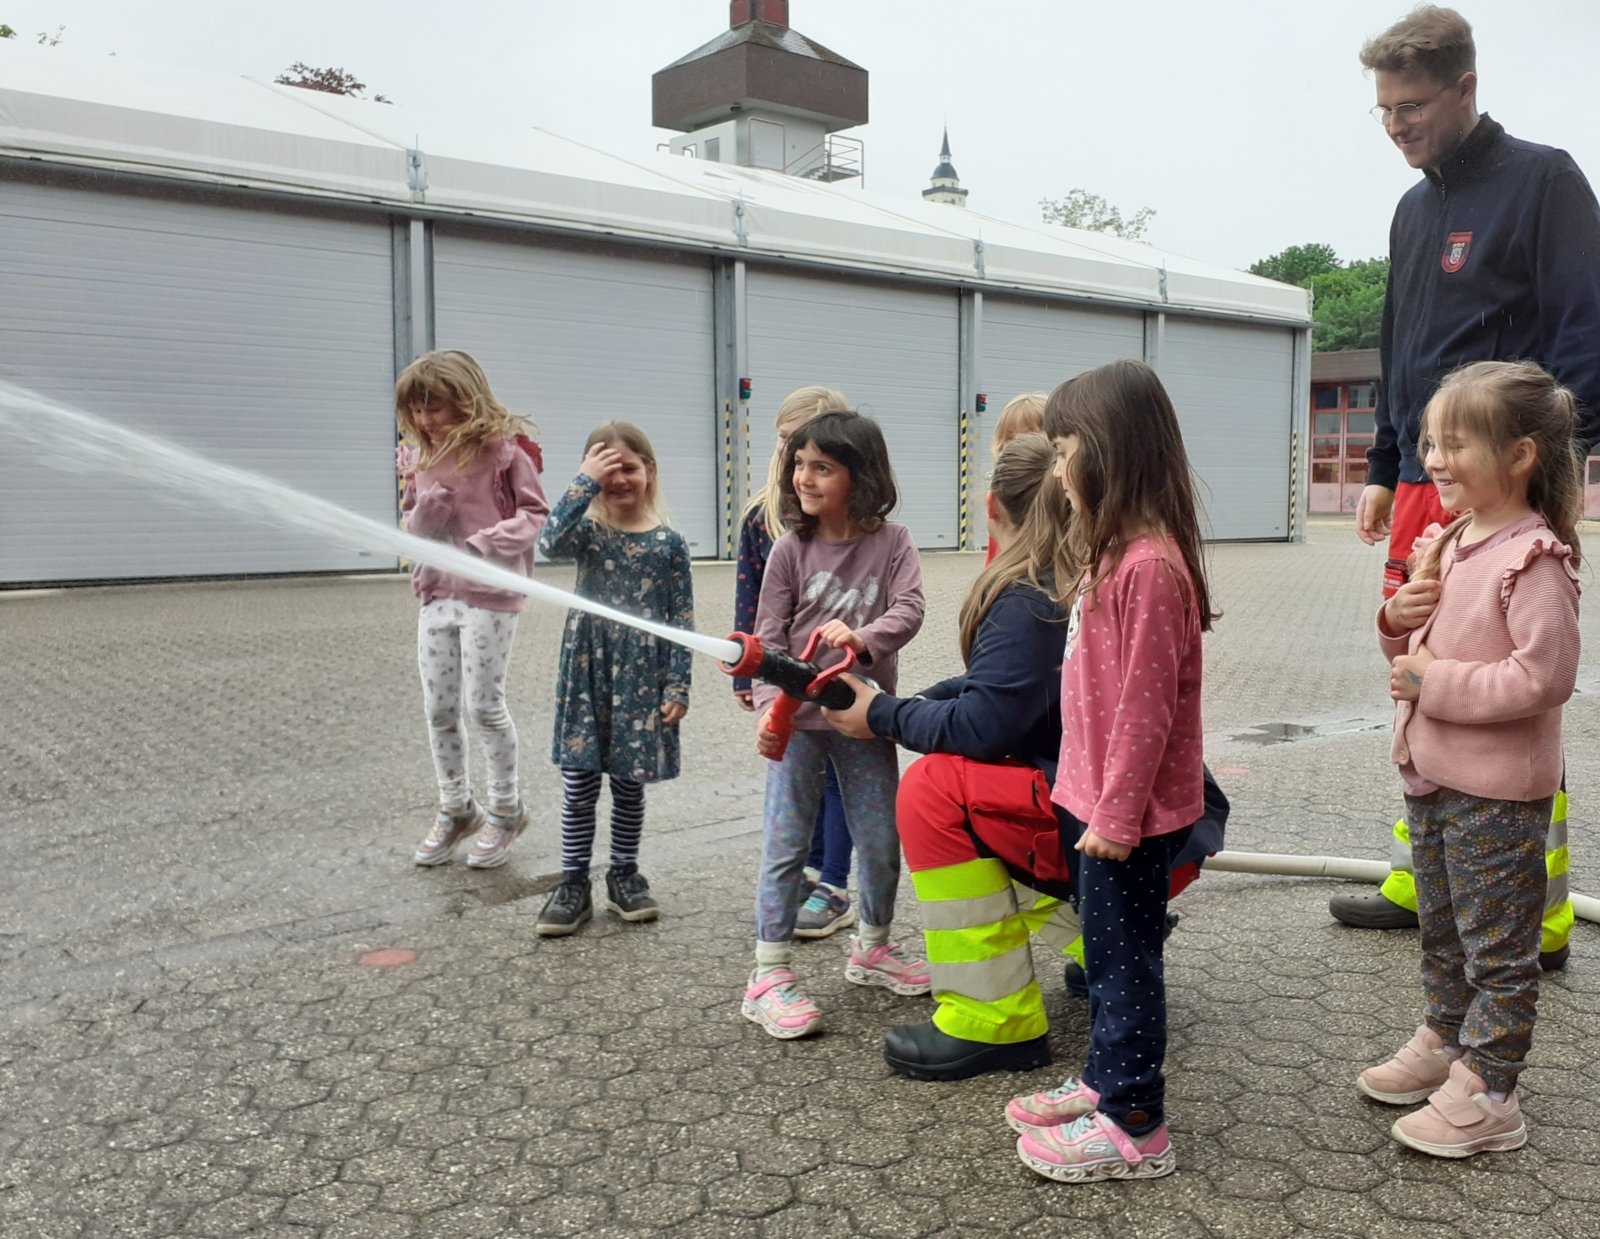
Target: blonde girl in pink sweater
point(471, 480)
point(1483, 653)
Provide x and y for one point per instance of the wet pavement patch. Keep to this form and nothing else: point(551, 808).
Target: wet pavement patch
point(1286, 733)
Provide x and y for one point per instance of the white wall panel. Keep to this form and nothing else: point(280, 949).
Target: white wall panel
point(262, 339)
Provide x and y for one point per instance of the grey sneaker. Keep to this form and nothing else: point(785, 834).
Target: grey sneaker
point(495, 839)
point(449, 829)
point(628, 894)
point(568, 907)
point(826, 911)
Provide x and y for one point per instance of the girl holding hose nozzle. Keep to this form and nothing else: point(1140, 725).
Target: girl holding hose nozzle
point(850, 574)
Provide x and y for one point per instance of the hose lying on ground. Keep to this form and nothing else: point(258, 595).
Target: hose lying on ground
point(1282, 865)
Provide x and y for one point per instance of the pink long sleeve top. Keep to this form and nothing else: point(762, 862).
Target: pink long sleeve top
point(1132, 753)
point(1505, 642)
point(498, 508)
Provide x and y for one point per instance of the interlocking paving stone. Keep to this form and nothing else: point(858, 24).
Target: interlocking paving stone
point(190, 1046)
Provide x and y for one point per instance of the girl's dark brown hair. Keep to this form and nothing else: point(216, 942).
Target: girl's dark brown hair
point(1500, 403)
point(855, 441)
point(1130, 470)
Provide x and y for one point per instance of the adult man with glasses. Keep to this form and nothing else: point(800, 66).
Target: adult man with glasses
point(1493, 256)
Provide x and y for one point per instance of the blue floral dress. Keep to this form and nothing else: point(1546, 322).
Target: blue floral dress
point(613, 679)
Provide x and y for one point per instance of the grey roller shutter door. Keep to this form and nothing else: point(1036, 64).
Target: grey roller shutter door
point(1034, 346)
point(893, 352)
point(261, 339)
point(573, 337)
point(1233, 388)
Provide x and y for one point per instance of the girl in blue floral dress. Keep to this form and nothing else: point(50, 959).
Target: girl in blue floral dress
point(620, 692)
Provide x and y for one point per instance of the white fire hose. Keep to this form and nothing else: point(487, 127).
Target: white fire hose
point(1282, 865)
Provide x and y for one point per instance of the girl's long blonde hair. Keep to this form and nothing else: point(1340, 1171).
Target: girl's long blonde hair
point(798, 408)
point(456, 378)
point(1501, 403)
point(1037, 509)
point(637, 442)
point(1022, 415)
point(1130, 469)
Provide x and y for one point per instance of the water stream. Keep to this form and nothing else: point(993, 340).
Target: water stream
point(69, 439)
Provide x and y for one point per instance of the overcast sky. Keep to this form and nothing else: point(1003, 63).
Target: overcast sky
point(1241, 122)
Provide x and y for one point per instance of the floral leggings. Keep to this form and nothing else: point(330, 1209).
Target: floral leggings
point(1480, 895)
point(463, 652)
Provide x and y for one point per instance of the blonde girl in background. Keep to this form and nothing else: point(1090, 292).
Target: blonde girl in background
point(620, 692)
point(1022, 415)
point(825, 881)
point(469, 482)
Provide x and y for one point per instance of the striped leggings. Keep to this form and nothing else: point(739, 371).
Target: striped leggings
point(580, 794)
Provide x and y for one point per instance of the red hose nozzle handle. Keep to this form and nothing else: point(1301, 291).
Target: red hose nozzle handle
point(797, 677)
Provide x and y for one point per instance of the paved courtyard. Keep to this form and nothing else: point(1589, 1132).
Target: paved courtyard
point(208, 798)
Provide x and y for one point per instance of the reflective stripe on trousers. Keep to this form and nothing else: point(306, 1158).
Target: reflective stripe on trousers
point(1400, 887)
point(977, 923)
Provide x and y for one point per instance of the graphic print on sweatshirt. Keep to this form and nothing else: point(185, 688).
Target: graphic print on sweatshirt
point(852, 604)
point(1074, 622)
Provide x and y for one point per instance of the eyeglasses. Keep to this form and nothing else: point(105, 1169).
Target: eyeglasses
point(1405, 111)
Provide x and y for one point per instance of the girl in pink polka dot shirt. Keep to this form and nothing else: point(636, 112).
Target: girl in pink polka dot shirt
point(1130, 777)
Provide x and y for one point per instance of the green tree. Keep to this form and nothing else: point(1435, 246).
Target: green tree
point(1347, 298)
point(44, 39)
point(1348, 305)
point(328, 81)
point(1298, 264)
point(1092, 213)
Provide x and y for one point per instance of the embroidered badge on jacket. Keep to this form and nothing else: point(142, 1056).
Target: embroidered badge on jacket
point(1456, 246)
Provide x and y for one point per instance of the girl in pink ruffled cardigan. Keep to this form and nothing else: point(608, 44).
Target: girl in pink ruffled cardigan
point(1483, 653)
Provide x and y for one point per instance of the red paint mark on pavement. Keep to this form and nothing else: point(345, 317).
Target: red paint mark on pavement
point(391, 957)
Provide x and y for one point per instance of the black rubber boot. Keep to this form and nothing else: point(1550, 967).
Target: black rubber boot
point(1371, 911)
point(923, 1052)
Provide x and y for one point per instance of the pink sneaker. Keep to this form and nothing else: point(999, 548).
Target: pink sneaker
point(776, 1003)
point(1462, 1119)
point(887, 965)
point(1093, 1147)
point(1412, 1074)
point(1051, 1108)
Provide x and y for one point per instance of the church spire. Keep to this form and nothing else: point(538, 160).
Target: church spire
point(945, 185)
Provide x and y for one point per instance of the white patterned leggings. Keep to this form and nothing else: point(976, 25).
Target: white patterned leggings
point(463, 653)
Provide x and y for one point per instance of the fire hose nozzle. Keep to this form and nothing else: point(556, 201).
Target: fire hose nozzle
point(799, 679)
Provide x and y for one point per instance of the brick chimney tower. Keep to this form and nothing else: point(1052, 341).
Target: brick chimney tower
point(763, 95)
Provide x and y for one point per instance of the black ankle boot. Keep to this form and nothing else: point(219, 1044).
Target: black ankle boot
point(924, 1052)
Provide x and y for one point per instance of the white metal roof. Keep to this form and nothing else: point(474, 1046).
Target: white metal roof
point(216, 129)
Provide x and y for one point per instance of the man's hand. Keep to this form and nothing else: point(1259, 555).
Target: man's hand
point(672, 712)
point(1406, 672)
point(1091, 844)
point(1372, 514)
point(852, 721)
point(1411, 606)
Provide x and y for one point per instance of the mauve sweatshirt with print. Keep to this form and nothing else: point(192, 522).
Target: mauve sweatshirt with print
point(1132, 752)
point(873, 583)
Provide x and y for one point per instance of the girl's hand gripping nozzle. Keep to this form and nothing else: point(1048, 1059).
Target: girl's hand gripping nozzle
point(799, 679)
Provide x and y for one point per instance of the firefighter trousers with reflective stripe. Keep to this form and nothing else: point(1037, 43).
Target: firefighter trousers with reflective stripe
point(961, 824)
point(1556, 926)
